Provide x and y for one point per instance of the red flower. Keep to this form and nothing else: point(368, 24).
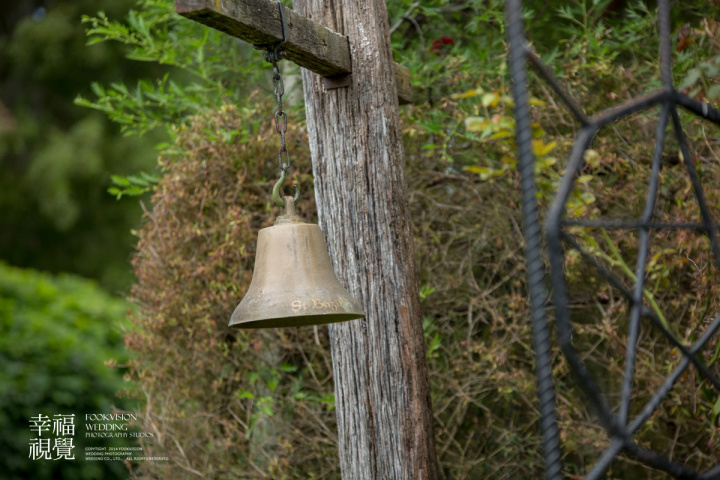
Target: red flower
point(441, 44)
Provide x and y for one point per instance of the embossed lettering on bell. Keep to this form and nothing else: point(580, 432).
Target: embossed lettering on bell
point(293, 281)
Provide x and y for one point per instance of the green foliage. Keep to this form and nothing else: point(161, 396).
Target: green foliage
point(68, 158)
point(475, 52)
point(56, 158)
point(57, 337)
point(496, 132)
point(701, 65)
point(133, 185)
point(209, 67)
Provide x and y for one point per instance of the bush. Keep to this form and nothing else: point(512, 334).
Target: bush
point(56, 336)
point(239, 404)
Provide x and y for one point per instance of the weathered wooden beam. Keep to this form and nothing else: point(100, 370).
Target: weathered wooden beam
point(309, 44)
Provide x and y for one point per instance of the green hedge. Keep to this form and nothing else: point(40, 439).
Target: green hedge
point(57, 336)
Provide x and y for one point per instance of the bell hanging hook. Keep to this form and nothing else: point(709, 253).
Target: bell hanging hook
point(278, 187)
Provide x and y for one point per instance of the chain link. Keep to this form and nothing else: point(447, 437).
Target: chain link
point(280, 115)
point(274, 55)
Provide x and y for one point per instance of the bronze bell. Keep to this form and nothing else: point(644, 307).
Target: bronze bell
point(293, 282)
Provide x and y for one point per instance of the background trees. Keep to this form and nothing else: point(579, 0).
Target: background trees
point(56, 157)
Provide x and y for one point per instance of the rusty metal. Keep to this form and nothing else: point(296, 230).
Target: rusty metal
point(277, 198)
point(293, 281)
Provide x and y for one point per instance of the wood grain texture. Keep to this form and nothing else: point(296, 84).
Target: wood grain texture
point(309, 44)
point(382, 398)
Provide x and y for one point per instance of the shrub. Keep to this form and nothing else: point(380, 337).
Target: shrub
point(227, 403)
point(56, 336)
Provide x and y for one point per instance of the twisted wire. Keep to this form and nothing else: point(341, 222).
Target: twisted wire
point(533, 250)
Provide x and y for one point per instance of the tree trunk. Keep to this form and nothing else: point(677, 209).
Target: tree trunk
point(382, 397)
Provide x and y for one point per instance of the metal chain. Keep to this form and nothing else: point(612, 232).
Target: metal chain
point(280, 115)
point(274, 55)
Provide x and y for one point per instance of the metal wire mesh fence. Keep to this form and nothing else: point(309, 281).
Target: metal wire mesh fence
point(620, 422)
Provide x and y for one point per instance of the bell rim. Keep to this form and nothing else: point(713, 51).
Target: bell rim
point(296, 320)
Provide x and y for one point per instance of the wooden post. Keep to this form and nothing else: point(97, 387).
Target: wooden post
point(382, 398)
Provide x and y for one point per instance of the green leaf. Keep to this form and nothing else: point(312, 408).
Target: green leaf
point(541, 148)
point(97, 89)
point(713, 92)
point(426, 290)
point(490, 99)
point(691, 78)
point(120, 181)
point(134, 191)
point(501, 134)
point(243, 394)
point(475, 124)
point(149, 177)
point(484, 172)
point(115, 191)
point(138, 181)
point(468, 94)
point(716, 412)
point(710, 69)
